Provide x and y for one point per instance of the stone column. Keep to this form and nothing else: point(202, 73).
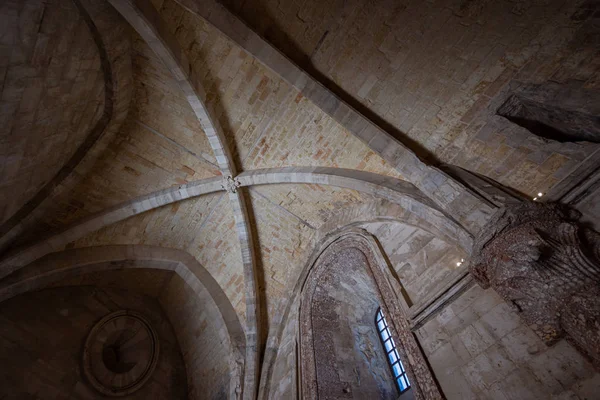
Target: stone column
point(547, 266)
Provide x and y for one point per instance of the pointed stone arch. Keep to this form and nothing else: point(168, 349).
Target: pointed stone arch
point(346, 220)
point(70, 263)
point(423, 381)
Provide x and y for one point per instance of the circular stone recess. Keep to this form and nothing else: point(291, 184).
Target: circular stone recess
point(120, 353)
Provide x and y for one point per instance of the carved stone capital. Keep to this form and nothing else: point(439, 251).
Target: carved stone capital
point(230, 184)
point(547, 266)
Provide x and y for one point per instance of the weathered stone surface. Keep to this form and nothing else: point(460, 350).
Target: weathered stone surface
point(202, 336)
point(360, 251)
point(547, 266)
point(350, 360)
point(106, 37)
point(424, 263)
point(479, 348)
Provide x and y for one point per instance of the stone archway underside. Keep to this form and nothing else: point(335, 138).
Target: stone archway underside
point(71, 263)
point(447, 194)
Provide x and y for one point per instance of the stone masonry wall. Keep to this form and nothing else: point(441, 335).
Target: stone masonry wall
point(51, 93)
point(477, 347)
point(204, 227)
point(423, 262)
point(42, 335)
point(284, 383)
point(480, 349)
point(194, 319)
point(159, 145)
point(268, 122)
point(203, 340)
point(430, 72)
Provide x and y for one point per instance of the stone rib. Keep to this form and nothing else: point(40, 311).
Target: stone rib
point(446, 192)
point(75, 262)
point(142, 15)
point(391, 189)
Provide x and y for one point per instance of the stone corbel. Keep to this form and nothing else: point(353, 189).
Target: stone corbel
point(546, 265)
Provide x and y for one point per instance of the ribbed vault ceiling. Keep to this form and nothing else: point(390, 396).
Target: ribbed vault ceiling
point(203, 108)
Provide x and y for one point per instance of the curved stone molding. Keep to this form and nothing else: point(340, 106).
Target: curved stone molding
point(351, 217)
point(254, 308)
point(367, 182)
point(406, 212)
point(547, 266)
point(416, 208)
point(394, 190)
point(112, 39)
point(142, 15)
point(327, 237)
point(56, 242)
point(421, 377)
point(120, 353)
point(404, 202)
point(69, 263)
point(440, 227)
point(144, 18)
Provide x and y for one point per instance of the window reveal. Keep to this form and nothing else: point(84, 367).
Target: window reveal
point(392, 354)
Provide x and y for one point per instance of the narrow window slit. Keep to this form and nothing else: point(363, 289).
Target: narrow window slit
point(398, 371)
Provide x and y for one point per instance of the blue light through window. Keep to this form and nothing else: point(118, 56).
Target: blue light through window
point(392, 354)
